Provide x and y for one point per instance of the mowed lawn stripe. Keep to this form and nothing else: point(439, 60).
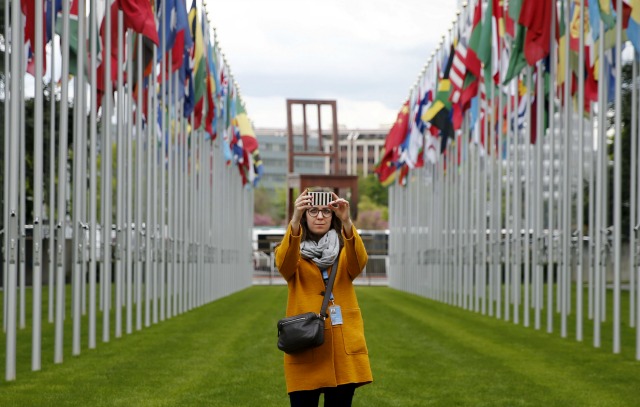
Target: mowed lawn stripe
point(423, 353)
point(495, 362)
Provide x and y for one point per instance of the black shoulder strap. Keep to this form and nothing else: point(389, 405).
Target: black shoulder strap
point(329, 288)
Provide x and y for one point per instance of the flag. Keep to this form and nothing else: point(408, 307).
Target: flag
point(459, 67)
point(222, 86)
point(473, 63)
point(411, 147)
point(633, 29)
point(562, 46)
point(210, 85)
point(29, 11)
point(458, 72)
point(606, 12)
point(186, 78)
point(258, 167)
point(232, 136)
point(168, 27)
point(138, 16)
point(430, 149)
point(199, 65)
point(487, 40)
point(536, 17)
point(386, 168)
point(250, 142)
point(49, 8)
point(517, 60)
point(74, 40)
point(439, 113)
point(183, 38)
point(510, 20)
point(498, 50)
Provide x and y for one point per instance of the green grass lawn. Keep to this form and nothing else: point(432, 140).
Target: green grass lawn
point(423, 353)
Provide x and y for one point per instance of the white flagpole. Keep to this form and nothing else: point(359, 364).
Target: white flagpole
point(106, 181)
point(566, 184)
point(510, 229)
point(192, 220)
point(7, 149)
point(517, 216)
point(93, 183)
point(540, 237)
point(632, 198)
point(636, 264)
point(119, 138)
point(11, 196)
point(182, 213)
point(36, 341)
point(140, 236)
point(62, 188)
point(528, 220)
point(551, 139)
point(593, 168)
point(128, 226)
point(155, 214)
point(22, 218)
point(166, 129)
point(633, 216)
point(495, 168)
point(482, 215)
point(149, 231)
point(164, 104)
point(51, 250)
point(119, 176)
point(580, 177)
point(600, 194)
point(170, 244)
point(177, 174)
point(79, 182)
point(617, 187)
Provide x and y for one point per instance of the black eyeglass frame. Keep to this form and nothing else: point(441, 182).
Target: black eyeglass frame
point(314, 212)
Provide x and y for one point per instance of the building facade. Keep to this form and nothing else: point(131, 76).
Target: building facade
point(360, 150)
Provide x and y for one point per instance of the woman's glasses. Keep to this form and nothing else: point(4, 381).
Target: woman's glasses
point(326, 212)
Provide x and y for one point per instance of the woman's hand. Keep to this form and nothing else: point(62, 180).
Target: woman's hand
point(301, 204)
point(341, 209)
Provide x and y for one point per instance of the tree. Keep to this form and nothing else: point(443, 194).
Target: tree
point(269, 207)
point(29, 127)
point(628, 84)
point(370, 186)
point(373, 211)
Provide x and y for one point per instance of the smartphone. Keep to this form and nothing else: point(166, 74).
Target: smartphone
point(320, 198)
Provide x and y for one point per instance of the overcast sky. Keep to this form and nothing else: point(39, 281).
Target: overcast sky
point(365, 54)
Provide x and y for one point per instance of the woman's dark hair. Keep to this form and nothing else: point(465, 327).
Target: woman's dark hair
point(336, 223)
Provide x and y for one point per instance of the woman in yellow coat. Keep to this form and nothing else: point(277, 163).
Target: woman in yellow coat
point(309, 248)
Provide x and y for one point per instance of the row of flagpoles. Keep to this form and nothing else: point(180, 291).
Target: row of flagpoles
point(161, 159)
point(499, 169)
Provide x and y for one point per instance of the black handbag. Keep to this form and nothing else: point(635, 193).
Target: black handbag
point(303, 331)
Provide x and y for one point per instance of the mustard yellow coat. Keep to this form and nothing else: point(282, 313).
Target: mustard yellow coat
point(343, 358)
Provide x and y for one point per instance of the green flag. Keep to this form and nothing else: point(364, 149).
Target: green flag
point(517, 61)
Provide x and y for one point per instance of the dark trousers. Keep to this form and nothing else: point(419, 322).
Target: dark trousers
point(340, 396)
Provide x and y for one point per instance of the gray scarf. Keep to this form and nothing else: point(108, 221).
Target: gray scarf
point(324, 252)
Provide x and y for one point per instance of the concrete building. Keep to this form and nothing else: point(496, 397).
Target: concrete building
point(360, 151)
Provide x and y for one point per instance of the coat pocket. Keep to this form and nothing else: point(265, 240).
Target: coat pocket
point(353, 332)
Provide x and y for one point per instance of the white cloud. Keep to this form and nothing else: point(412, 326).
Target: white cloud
point(364, 53)
point(271, 112)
